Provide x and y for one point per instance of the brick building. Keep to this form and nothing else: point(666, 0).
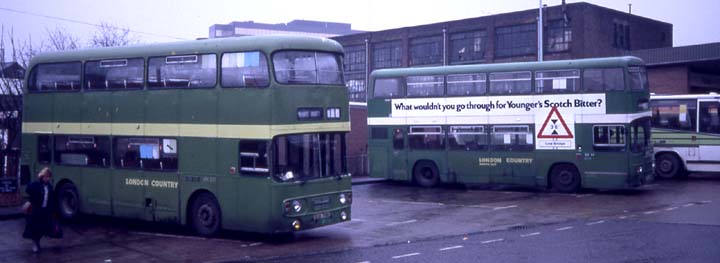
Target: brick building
point(571, 31)
point(682, 70)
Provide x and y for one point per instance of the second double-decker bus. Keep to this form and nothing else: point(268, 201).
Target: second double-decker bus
point(564, 125)
point(686, 134)
point(240, 133)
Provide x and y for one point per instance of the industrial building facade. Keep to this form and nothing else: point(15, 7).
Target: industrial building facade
point(570, 31)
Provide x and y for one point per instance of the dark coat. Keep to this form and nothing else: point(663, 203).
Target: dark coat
point(39, 221)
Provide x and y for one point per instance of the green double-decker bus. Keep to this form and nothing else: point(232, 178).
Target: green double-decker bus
point(240, 133)
point(563, 125)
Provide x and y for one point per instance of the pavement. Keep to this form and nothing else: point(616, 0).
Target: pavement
point(14, 212)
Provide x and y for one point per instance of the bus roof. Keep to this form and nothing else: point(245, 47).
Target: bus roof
point(506, 67)
point(245, 43)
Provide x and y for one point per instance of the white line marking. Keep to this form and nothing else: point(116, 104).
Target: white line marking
point(671, 208)
point(596, 222)
point(449, 248)
point(492, 241)
point(622, 217)
point(688, 205)
point(358, 220)
point(583, 195)
point(411, 203)
point(505, 207)
point(705, 202)
point(255, 244)
point(531, 234)
point(650, 212)
point(364, 262)
point(406, 255)
point(401, 223)
point(564, 228)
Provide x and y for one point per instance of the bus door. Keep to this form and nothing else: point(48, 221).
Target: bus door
point(398, 154)
point(468, 154)
point(158, 158)
point(709, 124)
point(129, 181)
point(511, 157)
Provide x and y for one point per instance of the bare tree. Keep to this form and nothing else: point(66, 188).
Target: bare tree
point(109, 35)
point(59, 39)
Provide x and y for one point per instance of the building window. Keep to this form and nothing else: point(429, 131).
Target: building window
point(426, 51)
point(515, 40)
point(387, 55)
point(559, 36)
point(467, 46)
point(622, 36)
point(356, 87)
point(355, 59)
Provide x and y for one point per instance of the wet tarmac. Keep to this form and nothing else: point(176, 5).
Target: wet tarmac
point(387, 216)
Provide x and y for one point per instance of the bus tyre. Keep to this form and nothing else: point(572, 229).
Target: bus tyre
point(68, 201)
point(565, 178)
point(426, 174)
point(205, 215)
point(668, 166)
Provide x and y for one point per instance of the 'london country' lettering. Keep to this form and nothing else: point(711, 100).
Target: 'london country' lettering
point(151, 183)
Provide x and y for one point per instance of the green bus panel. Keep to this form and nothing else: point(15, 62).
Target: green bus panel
point(40, 108)
point(97, 107)
point(465, 166)
point(162, 106)
point(129, 193)
point(240, 106)
point(128, 107)
point(198, 106)
point(96, 190)
point(68, 107)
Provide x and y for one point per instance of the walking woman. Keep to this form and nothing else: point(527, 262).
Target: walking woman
point(42, 207)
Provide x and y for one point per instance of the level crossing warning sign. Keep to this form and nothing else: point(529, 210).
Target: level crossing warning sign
point(556, 131)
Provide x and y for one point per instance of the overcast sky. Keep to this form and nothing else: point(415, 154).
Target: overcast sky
point(695, 21)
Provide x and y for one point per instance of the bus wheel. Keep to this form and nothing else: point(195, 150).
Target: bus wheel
point(667, 166)
point(426, 174)
point(205, 215)
point(565, 178)
point(68, 201)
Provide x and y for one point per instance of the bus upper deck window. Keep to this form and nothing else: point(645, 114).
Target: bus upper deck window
point(557, 81)
point(603, 79)
point(387, 88)
point(307, 67)
point(244, 69)
point(55, 77)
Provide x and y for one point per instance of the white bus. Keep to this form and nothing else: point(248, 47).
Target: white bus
point(686, 134)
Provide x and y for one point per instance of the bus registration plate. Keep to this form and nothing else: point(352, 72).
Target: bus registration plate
point(322, 217)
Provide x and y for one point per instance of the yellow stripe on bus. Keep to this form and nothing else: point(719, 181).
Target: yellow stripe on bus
point(181, 129)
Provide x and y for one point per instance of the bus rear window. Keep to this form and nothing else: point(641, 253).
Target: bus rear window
point(244, 69)
point(425, 86)
point(114, 74)
point(387, 88)
point(55, 77)
point(599, 80)
point(507, 83)
point(186, 71)
point(307, 67)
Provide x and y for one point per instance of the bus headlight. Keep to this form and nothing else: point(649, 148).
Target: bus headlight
point(296, 206)
point(296, 225)
point(343, 199)
point(287, 176)
point(639, 169)
point(343, 216)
